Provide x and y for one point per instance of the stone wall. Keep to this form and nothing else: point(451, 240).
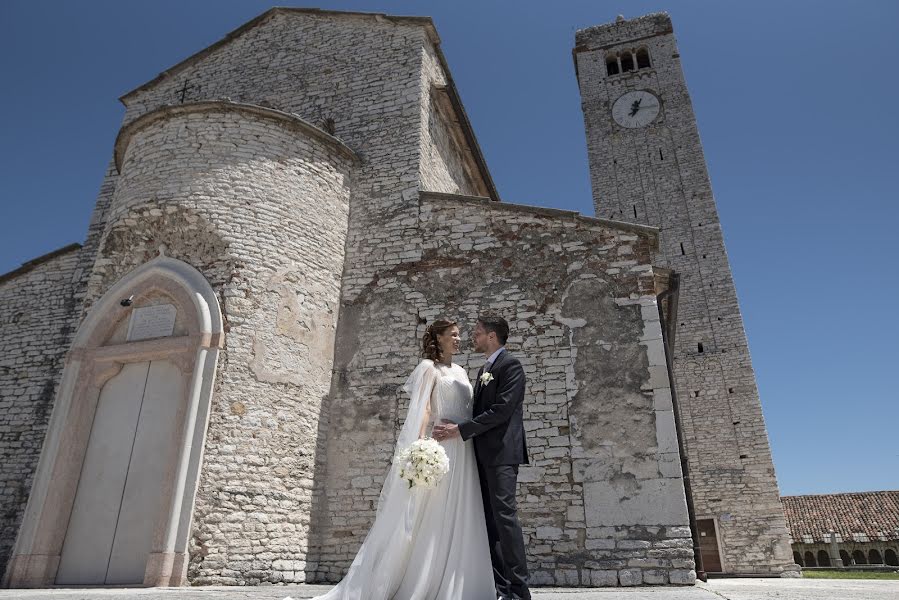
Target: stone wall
point(656, 175)
point(445, 162)
point(36, 311)
point(602, 502)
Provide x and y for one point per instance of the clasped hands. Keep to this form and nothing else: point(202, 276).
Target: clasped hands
point(445, 430)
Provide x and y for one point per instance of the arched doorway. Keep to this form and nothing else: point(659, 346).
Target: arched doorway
point(874, 557)
point(889, 558)
point(113, 493)
point(810, 559)
point(797, 558)
point(859, 557)
point(823, 558)
point(844, 556)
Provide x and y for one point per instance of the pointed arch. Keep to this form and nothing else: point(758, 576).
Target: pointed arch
point(102, 347)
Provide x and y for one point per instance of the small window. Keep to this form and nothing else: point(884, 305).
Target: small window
point(643, 58)
point(612, 65)
point(627, 62)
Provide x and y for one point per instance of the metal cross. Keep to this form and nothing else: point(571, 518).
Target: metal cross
point(183, 90)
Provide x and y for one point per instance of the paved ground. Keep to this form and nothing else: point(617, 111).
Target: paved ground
point(715, 589)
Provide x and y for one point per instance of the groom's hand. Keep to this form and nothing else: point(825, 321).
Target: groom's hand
point(446, 430)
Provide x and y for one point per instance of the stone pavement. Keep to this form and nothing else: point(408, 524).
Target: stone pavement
point(715, 589)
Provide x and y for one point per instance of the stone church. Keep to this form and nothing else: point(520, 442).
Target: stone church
point(206, 391)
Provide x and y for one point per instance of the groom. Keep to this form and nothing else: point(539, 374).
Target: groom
point(499, 445)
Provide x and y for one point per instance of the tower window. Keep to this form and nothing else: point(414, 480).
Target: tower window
point(643, 58)
point(612, 65)
point(635, 211)
point(682, 248)
point(700, 346)
point(627, 60)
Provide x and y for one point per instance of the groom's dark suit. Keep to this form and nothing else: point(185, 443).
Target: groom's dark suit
point(499, 442)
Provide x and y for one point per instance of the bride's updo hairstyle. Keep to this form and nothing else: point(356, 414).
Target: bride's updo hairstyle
point(430, 347)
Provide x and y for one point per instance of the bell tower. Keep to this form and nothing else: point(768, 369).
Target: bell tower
point(647, 167)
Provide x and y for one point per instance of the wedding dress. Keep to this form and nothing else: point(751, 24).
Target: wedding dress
point(427, 544)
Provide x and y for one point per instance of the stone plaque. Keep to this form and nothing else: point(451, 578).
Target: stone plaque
point(151, 322)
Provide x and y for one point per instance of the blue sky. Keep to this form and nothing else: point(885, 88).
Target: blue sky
point(796, 103)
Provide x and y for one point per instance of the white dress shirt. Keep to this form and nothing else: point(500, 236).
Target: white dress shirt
point(493, 357)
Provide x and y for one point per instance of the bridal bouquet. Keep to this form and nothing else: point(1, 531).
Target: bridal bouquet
point(423, 463)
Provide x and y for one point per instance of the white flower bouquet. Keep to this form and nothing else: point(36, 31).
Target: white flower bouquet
point(423, 463)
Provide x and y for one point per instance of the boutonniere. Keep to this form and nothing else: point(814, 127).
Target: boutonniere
point(486, 378)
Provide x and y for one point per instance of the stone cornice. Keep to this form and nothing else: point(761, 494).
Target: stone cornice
point(288, 120)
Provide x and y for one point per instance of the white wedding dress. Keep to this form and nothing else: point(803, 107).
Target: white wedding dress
point(427, 544)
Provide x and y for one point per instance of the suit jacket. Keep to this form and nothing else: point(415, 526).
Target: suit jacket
point(497, 423)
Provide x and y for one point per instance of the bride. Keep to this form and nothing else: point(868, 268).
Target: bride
point(428, 544)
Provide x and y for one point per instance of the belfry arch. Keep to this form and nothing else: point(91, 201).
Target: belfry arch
point(130, 416)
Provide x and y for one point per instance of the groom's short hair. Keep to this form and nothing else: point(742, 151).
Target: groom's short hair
point(497, 325)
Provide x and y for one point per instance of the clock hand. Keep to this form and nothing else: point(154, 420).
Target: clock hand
point(635, 107)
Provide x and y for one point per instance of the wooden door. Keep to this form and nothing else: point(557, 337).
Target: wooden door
point(130, 451)
point(708, 546)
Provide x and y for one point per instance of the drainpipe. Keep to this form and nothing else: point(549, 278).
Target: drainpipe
point(668, 333)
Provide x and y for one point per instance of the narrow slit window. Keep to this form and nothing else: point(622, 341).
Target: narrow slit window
point(700, 347)
point(635, 211)
point(661, 156)
point(643, 58)
point(682, 251)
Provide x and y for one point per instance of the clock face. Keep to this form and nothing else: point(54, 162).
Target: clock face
point(635, 109)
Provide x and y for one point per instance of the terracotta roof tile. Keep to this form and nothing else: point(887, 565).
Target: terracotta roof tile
point(871, 514)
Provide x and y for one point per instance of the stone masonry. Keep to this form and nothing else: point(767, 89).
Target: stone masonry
point(602, 502)
point(36, 305)
point(656, 175)
point(319, 170)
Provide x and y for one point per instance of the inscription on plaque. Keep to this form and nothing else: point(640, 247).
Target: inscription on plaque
point(150, 322)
